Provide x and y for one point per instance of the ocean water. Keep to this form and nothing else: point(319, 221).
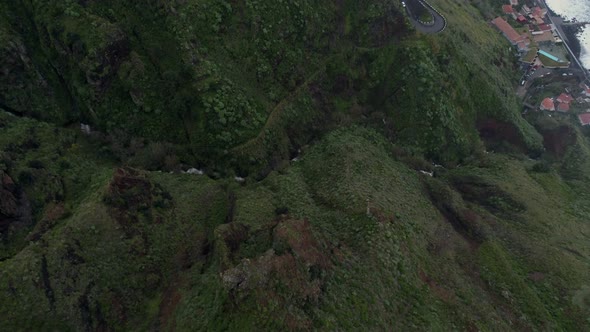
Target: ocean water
point(580, 9)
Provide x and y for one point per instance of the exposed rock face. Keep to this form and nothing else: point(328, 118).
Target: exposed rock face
point(14, 207)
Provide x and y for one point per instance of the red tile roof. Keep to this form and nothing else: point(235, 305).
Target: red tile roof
point(584, 119)
point(544, 27)
point(565, 98)
point(548, 104)
point(508, 9)
point(508, 31)
point(563, 107)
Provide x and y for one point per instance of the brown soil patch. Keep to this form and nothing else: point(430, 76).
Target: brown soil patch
point(442, 293)
point(290, 275)
point(132, 199)
point(537, 276)
point(557, 140)
point(170, 301)
point(494, 131)
point(299, 237)
point(53, 212)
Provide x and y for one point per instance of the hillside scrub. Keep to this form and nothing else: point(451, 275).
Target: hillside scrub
point(346, 172)
point(226, 87)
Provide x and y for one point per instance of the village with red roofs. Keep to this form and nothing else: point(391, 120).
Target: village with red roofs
point(553, 79)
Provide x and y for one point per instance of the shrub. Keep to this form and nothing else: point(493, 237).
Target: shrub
point(5, 162)
point(417, 163)
point(156, 156)
point(36, 164)
point(26, 177)
point(541, 167)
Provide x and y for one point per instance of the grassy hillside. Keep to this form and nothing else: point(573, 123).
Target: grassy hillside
point(348, 237)
point(320, 128)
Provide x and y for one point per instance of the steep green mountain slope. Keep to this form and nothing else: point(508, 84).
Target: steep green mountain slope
point(102, 231)
point(248, 83)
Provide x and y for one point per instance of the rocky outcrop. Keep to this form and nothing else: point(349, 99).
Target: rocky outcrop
point(132, 197)
point(131, 184)
point(292, 271)
point(101, 66)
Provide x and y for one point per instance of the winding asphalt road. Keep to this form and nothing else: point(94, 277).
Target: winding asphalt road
point(440, 23)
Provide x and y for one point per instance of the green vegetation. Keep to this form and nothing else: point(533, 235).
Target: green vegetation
point(552, 63)
point(426, 16)
point(530, 56)
point(320, 128)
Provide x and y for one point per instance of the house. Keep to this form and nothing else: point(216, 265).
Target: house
point(509, 10)
point(514, 2)
point(539, 20)
point(526, 10)
point(565, 98)
point(522, 46)
point(584, 119)
point(585, 90)
point(547, 105)
point(538, 11)
point(544, 27)
point(509, 32)
point(543, 36)
point(521, 19)
point(563, 107)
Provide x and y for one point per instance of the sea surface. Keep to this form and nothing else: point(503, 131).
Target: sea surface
point(579, 9)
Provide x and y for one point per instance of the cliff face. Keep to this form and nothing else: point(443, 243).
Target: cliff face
point(353, 174)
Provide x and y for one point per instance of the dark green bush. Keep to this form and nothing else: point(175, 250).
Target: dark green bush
point(36, 164)
point(541, 167)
